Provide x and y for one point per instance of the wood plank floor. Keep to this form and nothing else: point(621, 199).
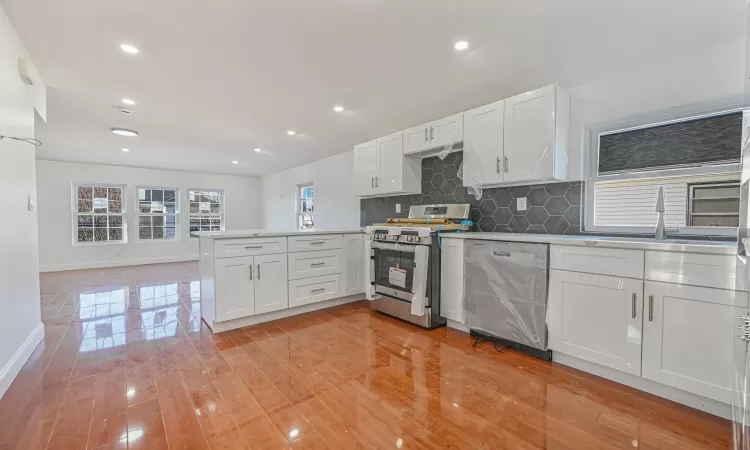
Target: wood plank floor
point(127, 363)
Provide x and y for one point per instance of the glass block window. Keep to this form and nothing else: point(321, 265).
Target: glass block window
point(206, 210)
point(158, 210)
point(99, 213)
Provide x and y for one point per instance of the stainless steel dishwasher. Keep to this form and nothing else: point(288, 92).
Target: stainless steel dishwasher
point(506, 294)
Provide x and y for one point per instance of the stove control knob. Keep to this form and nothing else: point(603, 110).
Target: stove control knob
point(394, 237)
point(417, 239)
point(409, 238)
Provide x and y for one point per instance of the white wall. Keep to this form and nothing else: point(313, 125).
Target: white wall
point(54, 184)
point(335, 203)
point(20, 320)
point(705, 79)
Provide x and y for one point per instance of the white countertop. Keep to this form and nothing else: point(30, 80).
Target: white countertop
point(670, 245)
point(270, 233)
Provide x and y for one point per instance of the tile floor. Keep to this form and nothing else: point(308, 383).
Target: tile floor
point(126, 363)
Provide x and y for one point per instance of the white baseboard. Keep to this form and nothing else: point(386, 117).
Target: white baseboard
point(219, 327)
point(676, 395)
point(117, 263)
point(11, 369)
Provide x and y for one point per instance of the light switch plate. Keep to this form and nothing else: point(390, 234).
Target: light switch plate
point(521, 204)
point(398, 208)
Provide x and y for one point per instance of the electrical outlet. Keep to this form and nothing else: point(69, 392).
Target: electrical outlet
point(32, 203)
point(398, 208)
point(118, 254)
point(521, 204)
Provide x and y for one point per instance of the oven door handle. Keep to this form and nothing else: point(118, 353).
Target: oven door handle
point(394, 247)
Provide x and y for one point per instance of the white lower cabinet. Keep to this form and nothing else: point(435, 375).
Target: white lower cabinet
point(452, 280)
point(353, 266)
point(597, 318)
point(314, 290)
point(271, 283)
point(688, 337)
point(235, 288)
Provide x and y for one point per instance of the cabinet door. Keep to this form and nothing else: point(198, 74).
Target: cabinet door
point(452, 280)
point(353, 266)
point(391, 158)
point(445, 130)
point(483, 144)
point(530, 135)
point(235, 290)
point(366, 167)
point(688, 334)
point(596, 318)
point(416, 139)
point(271, 283)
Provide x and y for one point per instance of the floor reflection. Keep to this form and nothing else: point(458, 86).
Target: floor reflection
point(127, 363)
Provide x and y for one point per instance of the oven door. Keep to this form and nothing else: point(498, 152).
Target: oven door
point(402, 271)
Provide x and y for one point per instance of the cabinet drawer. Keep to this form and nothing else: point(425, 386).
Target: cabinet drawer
point(319, 242)
point(600, 261)
point(314, 290)
point(716, 271)
point(313, 264)
point(226, 248)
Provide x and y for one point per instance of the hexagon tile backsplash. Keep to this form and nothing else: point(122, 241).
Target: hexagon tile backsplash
point(551, 208)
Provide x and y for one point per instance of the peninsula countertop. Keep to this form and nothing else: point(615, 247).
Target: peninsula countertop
point(233, 234)
point(669, 245)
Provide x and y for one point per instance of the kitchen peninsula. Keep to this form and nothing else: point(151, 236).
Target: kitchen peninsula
point(254, 276)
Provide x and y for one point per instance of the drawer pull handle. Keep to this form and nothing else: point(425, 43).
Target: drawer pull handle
point(317, 242)
point(650, 308)
point(253, 246)
point(259, 271)
point(635, 297)
point(317, 264)
point(251, 271)
point(499, 253)
point(317, 290)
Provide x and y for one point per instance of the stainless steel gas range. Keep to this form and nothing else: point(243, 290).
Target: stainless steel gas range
point(404, 273)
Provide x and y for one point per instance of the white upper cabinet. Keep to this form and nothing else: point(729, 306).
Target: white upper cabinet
point(366, 167)
point(520, 139)
point(380, 168)
point(536, 135)
point(483, 144)
point(391, 155)
point(435, 134)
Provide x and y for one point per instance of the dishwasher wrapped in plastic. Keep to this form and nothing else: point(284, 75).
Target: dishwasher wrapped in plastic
point(505, 291)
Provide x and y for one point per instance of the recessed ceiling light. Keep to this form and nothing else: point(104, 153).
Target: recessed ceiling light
point(291, 132)
point(338, 108)
point(128, 101)
point(124, 132)
point(257, 150)
point(461, 46)
point(235, 162)
point(126, 149)
point(127, 48)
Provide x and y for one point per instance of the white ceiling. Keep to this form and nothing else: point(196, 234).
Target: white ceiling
point(215, 79)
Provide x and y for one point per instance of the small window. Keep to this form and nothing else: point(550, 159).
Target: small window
point(157, 213)
point(305, 205)
point(714, 205)
point(206, 210)
point(99, 213)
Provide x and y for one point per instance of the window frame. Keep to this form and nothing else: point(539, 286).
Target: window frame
point(138, 214)
point(222, 204)
point(591, 165)
point(74, 213)
point(298, 205)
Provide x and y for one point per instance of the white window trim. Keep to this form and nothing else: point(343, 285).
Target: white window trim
point(190, 215)
point(138, 214)
point(298, 204)
point(591, 164)
point(74, 214)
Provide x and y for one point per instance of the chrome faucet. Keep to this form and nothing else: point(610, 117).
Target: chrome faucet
point(661, 231)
